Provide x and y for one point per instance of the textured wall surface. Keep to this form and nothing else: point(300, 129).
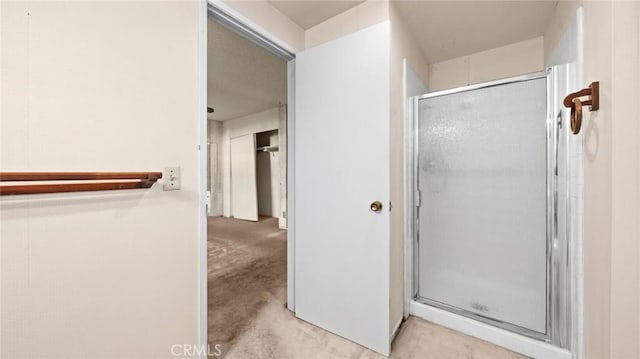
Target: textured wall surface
point(100, 86)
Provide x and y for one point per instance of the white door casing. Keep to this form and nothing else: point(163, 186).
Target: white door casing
point(341, 167)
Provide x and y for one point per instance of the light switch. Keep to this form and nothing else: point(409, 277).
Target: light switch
point(171, 178)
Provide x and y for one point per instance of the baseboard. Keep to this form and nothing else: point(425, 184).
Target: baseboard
point(514, 342)
point(396, 329)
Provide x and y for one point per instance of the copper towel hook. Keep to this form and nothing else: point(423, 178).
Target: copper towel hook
point(574, 102)
point(576, 116)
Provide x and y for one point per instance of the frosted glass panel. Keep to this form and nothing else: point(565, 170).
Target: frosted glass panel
point(482, 174)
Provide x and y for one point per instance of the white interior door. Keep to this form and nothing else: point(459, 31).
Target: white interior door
point(244, 190)
point(341, 167)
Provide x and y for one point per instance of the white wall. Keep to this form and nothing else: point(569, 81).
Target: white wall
point(506, 61)
point(260, 122)
point(625, 196)
point(85, 87)
point(403, 46)
point(359, 17)
point(611, 174)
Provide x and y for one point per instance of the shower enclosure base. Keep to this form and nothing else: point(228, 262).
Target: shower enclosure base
point(509, 340)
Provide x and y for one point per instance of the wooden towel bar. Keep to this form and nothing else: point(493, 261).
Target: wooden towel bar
point(91, 181)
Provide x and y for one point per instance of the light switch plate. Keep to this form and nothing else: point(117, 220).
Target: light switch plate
point(171, 178)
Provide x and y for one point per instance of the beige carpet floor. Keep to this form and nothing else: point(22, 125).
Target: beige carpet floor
point(248, 318)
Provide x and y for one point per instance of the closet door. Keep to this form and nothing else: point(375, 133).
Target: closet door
point(244, 191)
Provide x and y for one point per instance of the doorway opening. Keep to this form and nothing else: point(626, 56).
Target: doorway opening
point(247, 101)
point(268, 174)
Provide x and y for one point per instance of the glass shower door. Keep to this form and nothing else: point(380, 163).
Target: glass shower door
point(483, 214)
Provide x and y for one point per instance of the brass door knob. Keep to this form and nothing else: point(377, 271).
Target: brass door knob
point(376, 206)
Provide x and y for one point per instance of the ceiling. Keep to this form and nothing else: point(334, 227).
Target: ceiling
point(308, 13)
point(449, 29)
point(242, 78)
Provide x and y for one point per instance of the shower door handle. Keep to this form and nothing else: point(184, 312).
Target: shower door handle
point(558, 127)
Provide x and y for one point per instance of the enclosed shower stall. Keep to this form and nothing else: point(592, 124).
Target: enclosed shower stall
point(492, 184)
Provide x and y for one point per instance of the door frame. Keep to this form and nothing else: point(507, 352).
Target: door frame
point(222, 13)
point(551, 214)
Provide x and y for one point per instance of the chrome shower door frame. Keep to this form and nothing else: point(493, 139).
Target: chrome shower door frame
point(558, 294)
